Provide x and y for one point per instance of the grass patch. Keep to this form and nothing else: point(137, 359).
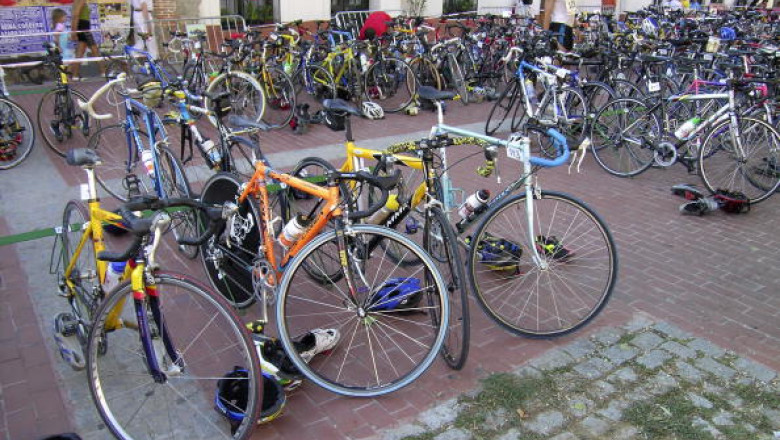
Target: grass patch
point(626, 338)
point(670, 415)
point(757, 396)
point(736, 432)
point(423, 436)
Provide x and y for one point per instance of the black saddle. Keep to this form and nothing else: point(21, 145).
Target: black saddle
point(432, 94)
point(339, 105)
point(82, 157)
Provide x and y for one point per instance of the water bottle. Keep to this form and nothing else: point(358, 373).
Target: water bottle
point(473, 203)
point(148, 160)
point(530, 91)
point(210, 148)
point(384, 212)
point(363, 62)
point(292, 230)
point(686, 129)
point(113, 275)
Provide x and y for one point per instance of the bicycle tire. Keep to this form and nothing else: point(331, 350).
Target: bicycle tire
point(457, 79)
point(520, 281)
point(198, 323)
point(391, 84)
point(427, 341)
point(313, 85)
point(426, 72)
point(17, 134)
point(72, 135)
point(504, 105)
point(247, 98)
point(279, 94)
point(196, 78)
point(85, 276)
point(185, 223)
point(240, 154)
point(756, 174)
point(608, 137)
point(441, 243)
point(225, 258)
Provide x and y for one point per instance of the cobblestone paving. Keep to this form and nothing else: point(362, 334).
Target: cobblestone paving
point(643, 380)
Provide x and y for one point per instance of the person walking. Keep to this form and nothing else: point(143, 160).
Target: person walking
point(80, 26)
point(561, 22)
point(142, 24)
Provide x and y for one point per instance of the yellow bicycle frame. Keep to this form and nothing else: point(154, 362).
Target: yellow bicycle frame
point(356, 161)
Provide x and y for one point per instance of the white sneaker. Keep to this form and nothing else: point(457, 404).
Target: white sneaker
point(317, 341)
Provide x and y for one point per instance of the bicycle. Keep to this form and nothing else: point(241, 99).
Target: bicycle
point(330, 280)
point(541, 263)
point(17, 133)
point(58, 117)
point(738, 153)
point(417, 207)
point(143, 163)
point(156, 345)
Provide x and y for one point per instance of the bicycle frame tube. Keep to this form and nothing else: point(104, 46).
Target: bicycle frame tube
point(256, 185)
point(153, 126)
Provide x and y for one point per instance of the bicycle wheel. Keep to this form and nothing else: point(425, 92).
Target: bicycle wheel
point(246, 95)
point(198, 340)
point(313, 85)
point(196, 78)
point(61, 124)
point(501, 110)
point(455, 78)
point(391, 84)
point(749, 164)
point(441, 243)
point(229, 257)
point(570, 113)
point(240, 152)
point(87, 291)
point(387, 338)
point(280, 96)
point(185, 223)
point(626, 89)
point(120, 159)
point(623, 135)
point(17, 134)
point(570, 287)
point(597, 94)
point(426, 72)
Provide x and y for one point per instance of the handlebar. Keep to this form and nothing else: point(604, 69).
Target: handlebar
point(88, 106)
point(142, 227)
point(383, 183)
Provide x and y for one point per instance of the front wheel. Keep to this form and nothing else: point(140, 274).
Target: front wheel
point(198, 342)
point(382, 312)
point(557, 295)
point(279, 95)
point(500, 113)
point(245, 93)
point(391, 84)
point(184, 222)
point(441, 243)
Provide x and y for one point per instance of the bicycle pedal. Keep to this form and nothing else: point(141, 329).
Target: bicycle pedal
point(133, 185)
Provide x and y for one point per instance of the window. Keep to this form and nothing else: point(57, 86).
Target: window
point(253, 11)
point(452, 6)
point(348, 5)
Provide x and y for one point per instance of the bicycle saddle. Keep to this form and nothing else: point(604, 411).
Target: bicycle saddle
point(432, 94)
point(82, 157)
point(339, 105)
point(242, 122)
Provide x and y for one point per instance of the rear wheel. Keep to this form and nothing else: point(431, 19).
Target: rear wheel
point(185, 223)
point(623, 134)
point(246, 95)
point(391, 84)
point(62, 124)
point(500, 113)
point(426, 72)
point(279, 96)
point(17, 134)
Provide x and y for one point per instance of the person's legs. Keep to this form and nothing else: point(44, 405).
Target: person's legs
point(95, 52)
point(76, 67)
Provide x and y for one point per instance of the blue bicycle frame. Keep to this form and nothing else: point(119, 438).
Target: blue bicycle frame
point(151, 68)
point(154, 127)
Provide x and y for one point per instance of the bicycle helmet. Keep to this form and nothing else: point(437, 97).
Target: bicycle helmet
point(650, 26)
point(372, 110)
point(728, 33)
point(396, 293)
point(232, 392)
point(334, 120)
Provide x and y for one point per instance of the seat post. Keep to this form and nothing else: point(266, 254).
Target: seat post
point(348, 128)
point(91, 184)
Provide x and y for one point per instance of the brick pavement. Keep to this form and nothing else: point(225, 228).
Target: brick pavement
point(712, 276)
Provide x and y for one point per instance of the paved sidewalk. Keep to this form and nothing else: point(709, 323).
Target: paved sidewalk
point(642, 380)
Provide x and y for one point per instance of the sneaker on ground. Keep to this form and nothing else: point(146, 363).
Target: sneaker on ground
point(688, 192)
point(317, 341)
point(699, 207)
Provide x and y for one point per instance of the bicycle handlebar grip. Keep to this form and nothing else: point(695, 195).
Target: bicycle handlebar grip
point(127, 254)
point(402, 147)
point(561, 146)
point(385, 184)
point(88, 106)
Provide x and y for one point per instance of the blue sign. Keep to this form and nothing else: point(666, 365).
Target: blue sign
point(18, 23)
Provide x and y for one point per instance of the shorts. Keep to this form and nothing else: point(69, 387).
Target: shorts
point(85, 37)
point(565, 34)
